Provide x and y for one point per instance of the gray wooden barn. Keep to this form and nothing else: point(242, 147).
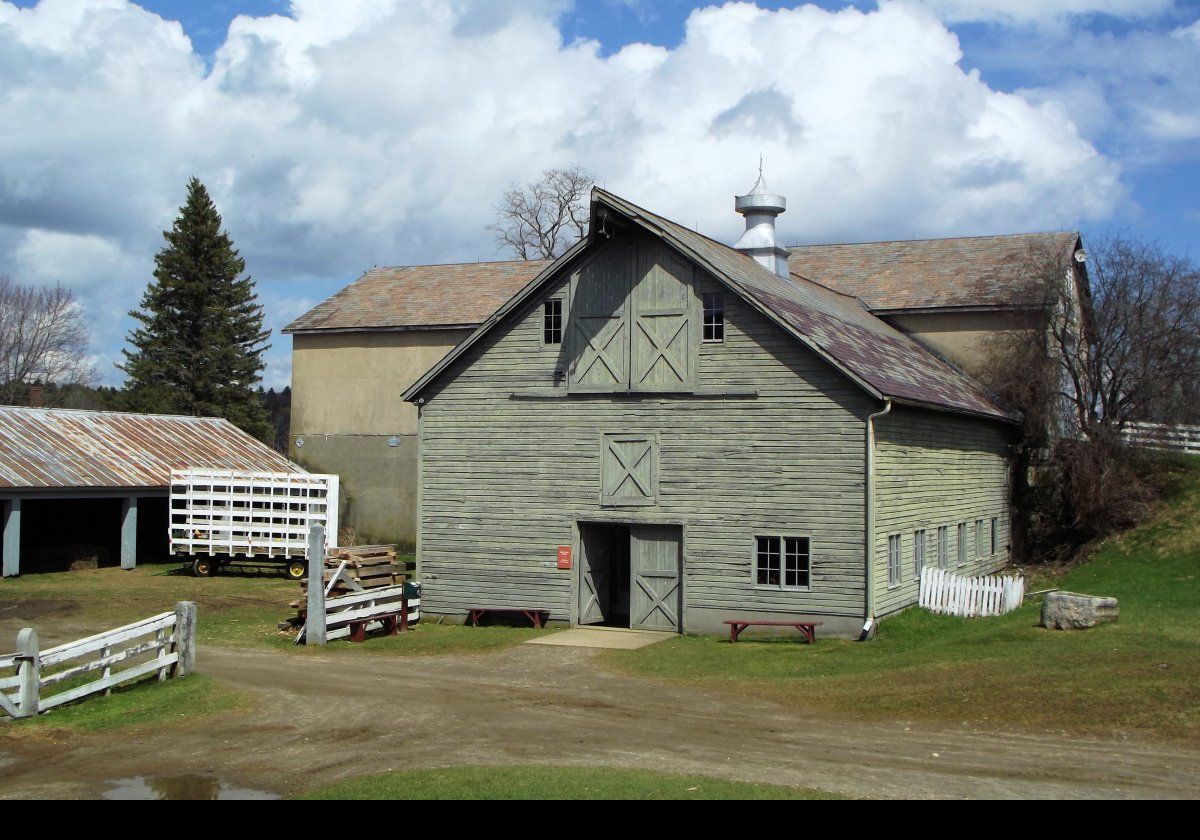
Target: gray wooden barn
point(662, 432)
point(100, 480)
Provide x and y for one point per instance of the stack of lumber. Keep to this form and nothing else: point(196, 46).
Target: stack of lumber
point(366, 567)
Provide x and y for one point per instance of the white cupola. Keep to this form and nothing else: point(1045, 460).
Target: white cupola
point(760, 207)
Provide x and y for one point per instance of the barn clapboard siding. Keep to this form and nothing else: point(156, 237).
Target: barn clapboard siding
point(938, 470)
point(771, 443)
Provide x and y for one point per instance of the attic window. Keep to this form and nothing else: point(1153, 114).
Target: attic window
point(714, 316)
point(552, 326)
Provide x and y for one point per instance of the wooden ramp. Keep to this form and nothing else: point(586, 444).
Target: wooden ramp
point(609, 638)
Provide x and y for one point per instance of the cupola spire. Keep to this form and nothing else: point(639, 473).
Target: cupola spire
point(760, 206)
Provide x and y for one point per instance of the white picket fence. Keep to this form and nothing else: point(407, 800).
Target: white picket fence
point(947, 593)
point(1184, 439)
point(366, 605)
point(163, 645)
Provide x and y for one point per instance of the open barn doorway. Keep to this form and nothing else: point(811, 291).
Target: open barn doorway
point(630, 576)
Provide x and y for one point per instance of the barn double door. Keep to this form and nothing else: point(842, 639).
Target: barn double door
point(630, 575)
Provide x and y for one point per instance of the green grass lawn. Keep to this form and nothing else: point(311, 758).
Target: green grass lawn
point(147, 702)
point(234, 610)
point(1140, 675)
point(521, 782)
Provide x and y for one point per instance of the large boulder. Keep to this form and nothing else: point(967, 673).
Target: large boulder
point(1071, 611)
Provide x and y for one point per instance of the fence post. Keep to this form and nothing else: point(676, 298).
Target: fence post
point(314, 623)
point(30, 672)
point(185, 637)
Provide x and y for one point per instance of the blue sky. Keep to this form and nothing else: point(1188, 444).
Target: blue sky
point(350, 133)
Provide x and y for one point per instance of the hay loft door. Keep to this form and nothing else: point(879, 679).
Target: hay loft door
point(656, 591)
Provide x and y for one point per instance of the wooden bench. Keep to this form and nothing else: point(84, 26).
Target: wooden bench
point(536, 617)
point(393, 623)
point(807, 629)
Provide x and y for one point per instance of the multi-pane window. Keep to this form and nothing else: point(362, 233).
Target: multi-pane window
point(552, 321)
point(943, 550)
point(978, 537)
point(785, 562)
point(962, 543)
point(918, 552)
point(995, 533)
point(894, 561)
point(714, 316)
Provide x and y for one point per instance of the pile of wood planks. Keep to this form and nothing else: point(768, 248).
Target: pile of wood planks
point(353, 569)
point(362, 567)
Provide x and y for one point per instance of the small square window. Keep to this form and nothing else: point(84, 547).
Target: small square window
point(894, 561)
point(714, 316)
point(552, 325)
point(918, 552)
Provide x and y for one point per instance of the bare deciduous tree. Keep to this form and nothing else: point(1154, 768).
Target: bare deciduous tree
point(42, 339)
point(544, 218)
point(1122, 348)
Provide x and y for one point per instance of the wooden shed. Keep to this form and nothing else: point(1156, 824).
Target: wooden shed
point(662, 432)
point(81, 478)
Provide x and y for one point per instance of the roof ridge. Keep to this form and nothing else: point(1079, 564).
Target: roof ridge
point(453, 265)
point(934, 239)
point(108, 412)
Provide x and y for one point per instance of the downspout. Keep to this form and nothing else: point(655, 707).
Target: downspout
point(868, 629)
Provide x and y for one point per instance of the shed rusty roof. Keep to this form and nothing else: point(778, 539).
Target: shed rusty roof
point(420, 297)
point(988, 271)
point(43, 448)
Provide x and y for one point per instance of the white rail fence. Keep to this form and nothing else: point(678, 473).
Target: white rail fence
point(1158, 436)
point(948, 593)
point(369, 610)
point(223, 512)
point(163, 645)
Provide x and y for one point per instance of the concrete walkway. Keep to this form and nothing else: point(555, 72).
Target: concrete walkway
point(606, 638)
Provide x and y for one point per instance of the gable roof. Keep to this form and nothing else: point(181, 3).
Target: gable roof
point(419, 297)
point(972, 271)
point(884, 361)
point(45, 448)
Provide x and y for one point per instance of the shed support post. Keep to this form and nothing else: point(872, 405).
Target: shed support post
point(129, 510)
point(314, 622)
point(12, 538)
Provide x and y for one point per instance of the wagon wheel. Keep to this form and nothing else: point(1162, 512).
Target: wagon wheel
point(296, 569)
point(204, 567)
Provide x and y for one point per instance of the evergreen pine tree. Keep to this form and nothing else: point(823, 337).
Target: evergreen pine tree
point(200, 340)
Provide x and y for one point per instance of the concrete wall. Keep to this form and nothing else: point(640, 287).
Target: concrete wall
point(961, 336)
point(347, 410)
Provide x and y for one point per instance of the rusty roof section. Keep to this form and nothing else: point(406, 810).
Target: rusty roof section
point(45, 448)
point(837, 326)
point(420, 297)
point(972, 271)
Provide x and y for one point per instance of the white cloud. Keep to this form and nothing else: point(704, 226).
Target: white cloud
point(382, 131)
point(1042, 11)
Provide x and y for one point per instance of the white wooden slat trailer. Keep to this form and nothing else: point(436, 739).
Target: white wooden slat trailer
point(224, 516)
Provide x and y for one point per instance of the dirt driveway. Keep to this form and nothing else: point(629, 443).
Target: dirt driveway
point(325, 718)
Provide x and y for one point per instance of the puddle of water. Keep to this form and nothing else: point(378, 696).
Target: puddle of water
point(181, 787)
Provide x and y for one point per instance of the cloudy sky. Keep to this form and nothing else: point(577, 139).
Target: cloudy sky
point(336, 135)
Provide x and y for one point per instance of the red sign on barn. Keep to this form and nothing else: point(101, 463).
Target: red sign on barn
point(564, 557)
